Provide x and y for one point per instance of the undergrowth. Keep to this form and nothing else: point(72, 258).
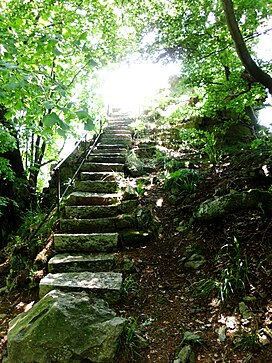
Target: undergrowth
point(24, 245)
point(233, 279)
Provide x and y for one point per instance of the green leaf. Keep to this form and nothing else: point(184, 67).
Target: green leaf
point(83, 36)
point(49, 105)
point(82, 114)
point(51, 119)
point(14, 85)
point(63, 125)
point(57, 51)
point(62, 133)
point(10, 65)
point(89, 125)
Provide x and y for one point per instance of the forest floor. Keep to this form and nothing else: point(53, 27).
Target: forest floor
point(164, 301)
point(161, 299)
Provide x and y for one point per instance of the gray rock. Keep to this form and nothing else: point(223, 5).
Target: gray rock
point(219, 207)
point(65, 328)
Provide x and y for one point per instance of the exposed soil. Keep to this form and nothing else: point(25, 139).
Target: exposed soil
point(165, 305)
point(161, 301)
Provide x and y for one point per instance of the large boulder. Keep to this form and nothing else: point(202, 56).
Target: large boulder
point(65, 328)
point(222, 206)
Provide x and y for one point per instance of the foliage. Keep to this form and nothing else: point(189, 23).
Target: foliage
point(191, 338)
point(22, 249)
point(131, 337)
point(204, 142)
point(196, 33)
point(6, 172)
point(48, 51)
point(183, 179)
point(130, 284)
point(247, 340)
point(140, 188)
point(263, 142)
point(233, 278)
point(168, 163)
point(4, 202)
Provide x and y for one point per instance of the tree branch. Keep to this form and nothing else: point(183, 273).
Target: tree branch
point(253, 69)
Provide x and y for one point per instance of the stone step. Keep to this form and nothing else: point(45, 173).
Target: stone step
point(79, 262)
point(97, 225)
point(105, 285)
point(100, 175)
point(119, 123)
point(116, 136)
point(111, 147)
point(112, 150)
point(91, 166)
point(100, 211)
point(107, 158)
point(115, 141)
point(112, 130)
point(117, 131)
point(99, 186)
point(78, 242)
point(86, 198)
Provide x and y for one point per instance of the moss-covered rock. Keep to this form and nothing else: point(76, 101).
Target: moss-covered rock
point(221, 206)
point(65, 328)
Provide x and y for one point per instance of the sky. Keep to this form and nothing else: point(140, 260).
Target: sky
point(264, 51)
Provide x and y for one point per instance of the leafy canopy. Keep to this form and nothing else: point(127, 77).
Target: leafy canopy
point(47, 49)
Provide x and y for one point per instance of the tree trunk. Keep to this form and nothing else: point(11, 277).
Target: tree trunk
point(13, 156)
point(250, 65)
point(17, 190)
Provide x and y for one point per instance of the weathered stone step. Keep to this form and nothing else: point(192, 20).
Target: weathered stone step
point(86, 198)
point(110, 224)
point(100, 211)
point(105, 285)
point(111, 146)
point(117, 131)
point(117, 123)
point(116, 136)
point(79, 262)
point(115, 141)
point(100, 175)
point(96, 186)
point(94, 242)
point(90, 166)
point(112, 150)
point(107, 158)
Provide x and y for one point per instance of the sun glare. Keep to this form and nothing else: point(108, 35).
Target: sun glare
point(131, 86)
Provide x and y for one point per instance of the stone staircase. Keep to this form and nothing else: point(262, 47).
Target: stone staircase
point(93, 216)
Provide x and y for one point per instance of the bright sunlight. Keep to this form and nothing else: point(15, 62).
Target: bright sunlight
point(131, 86)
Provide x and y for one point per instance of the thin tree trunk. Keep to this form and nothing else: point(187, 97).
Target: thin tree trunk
point(250, 65)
